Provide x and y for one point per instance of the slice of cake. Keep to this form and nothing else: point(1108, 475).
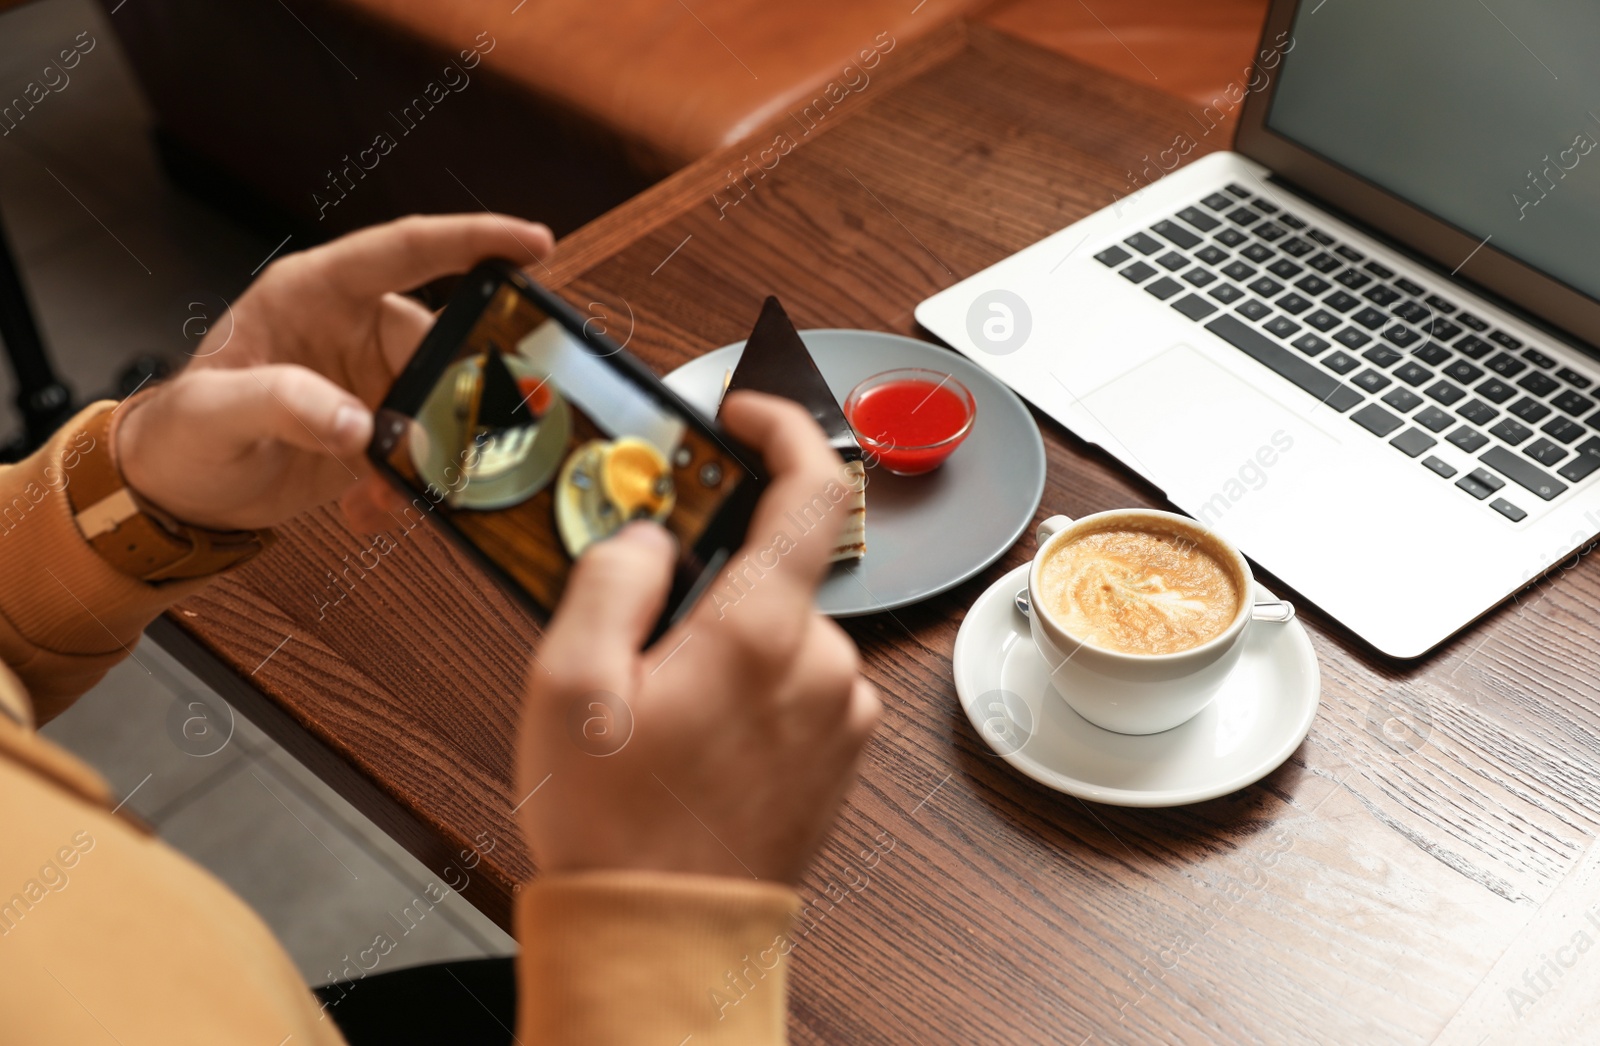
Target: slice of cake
point(775, 361)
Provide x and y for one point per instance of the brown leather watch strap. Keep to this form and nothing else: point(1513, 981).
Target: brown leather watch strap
point(137, 538)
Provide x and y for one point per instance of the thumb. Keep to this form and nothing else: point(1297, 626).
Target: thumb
point(284, 402)
point(612, 600)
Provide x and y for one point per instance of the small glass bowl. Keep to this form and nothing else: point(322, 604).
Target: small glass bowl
point(896, 455)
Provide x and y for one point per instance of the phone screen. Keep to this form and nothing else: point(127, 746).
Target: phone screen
point(535, 446)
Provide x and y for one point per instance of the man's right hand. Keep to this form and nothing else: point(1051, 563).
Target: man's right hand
point(727, 747)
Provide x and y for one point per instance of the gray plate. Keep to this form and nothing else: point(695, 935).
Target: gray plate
point(925, 534)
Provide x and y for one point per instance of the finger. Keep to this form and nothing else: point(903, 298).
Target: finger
point(407, 253)
point(283, 402)
point(402, 324)
point(613, 597)
point(807, 499)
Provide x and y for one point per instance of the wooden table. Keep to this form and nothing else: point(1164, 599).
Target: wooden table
point(1394, 881)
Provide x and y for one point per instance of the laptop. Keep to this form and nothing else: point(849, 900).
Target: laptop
point(1362, 346)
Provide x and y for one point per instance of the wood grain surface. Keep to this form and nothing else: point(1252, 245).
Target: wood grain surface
point(1421, 870)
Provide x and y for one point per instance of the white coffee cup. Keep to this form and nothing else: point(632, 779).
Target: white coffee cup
point(1137, 693)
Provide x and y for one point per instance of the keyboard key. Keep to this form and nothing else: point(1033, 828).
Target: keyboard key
point(1320, 236)
point(1572, 403)
point(1538, 359)
point(1323, 320)
point(1370, 318)
point(1231, 237)
point(1172, 231)
point(1467, 319)
point(1348, 253)
point(1402, 400)
point(1539, 383)
point(1413, 442)
point(1112, 256)
point(1478, 412)
point(1341, 363)
point(1431, 353)
point(1476, 489)
point(1226, 293)
point(1243, 216)
point(1433, 419)
point(1523, 473)
point(1282, 326)
point(1506, 365)
point(1293, 303)
point(1508, 510)
point(1382, 295)
point(1411, 312)
point(1313, 285)
point(1264, 204)
point(1495, 390)
point(1284, 269)
point(1265, 286)
point(1309, 344)
point(1325, 263)
point(1564, 429)
point(1211, 254)
point(1339, 301)
point(1442, 468)
point(1442, 329)
point(1172, 261)
point(1371, 380)
point(1509, 431)
point(1412, 374)
point(1199, 219)
point(1382, 356)
point(1545, 452)
point(1353, 279)
point(1463, 372)
point(1413, 289)
point(1573, 378)
point(1291, 221)
point(1473, 346)
point(1164, 288)
point(1270, 231)
point(1582, 466)
point(1301, 372)
point(1380, 271)
point(1217, 202)
point(1443, 392)
point(1138, 272)
point(1593, 420)
point(1404, 337)
point(1529, 410)
point(1296, 246)
point(1255, 310)
point(1439, 303)
point(1238, 271)
point(1376, 420)
point(1194, 306)
point(1503, 339)
point(1238, 190)
point(1487, 478)
point(1467, 438)
point(1144, 243)
point(1198, 277)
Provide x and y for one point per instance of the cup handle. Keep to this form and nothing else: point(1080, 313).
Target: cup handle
point(1051, 527)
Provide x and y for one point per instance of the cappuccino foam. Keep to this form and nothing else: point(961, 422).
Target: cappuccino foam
point(1139, 591)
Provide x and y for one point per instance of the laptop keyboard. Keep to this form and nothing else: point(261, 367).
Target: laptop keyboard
point(1403, 362)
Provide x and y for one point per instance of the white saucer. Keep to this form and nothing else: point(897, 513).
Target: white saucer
point(1262, 714)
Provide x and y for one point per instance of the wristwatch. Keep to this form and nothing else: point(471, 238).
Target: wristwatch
point(134, 536)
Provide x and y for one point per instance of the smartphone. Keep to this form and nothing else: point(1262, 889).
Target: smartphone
point(529, 434)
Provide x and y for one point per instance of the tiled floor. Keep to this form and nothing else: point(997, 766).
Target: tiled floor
point(113, 257)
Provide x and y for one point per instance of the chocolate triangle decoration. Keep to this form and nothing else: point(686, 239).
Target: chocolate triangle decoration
point(775, 361)
point(501, 404)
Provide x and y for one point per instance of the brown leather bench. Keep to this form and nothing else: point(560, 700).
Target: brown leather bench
point(324, 115)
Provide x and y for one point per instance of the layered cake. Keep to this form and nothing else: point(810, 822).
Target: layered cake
point(775, 361)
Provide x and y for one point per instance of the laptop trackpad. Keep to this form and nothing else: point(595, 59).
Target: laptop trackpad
point(1209, 439)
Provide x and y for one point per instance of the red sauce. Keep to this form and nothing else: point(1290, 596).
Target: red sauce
point(905, 424)
point(536, 393)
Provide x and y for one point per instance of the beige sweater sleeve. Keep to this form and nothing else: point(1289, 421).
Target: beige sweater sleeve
point(106, 931)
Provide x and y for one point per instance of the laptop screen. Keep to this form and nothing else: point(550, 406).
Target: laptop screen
point(1485, 114)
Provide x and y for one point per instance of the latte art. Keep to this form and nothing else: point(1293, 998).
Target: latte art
point(1139, 591)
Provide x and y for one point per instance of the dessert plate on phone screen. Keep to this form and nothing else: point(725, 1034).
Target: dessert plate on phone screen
point(928, 533)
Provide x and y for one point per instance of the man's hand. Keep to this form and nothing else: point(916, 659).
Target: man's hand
point(275, 413)
point(727, 747)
